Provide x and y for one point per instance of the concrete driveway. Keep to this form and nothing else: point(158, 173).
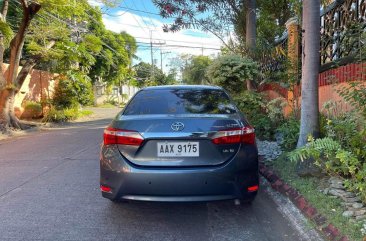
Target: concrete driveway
point(49, 190)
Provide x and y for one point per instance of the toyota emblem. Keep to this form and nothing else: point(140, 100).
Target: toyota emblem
point(177, 126)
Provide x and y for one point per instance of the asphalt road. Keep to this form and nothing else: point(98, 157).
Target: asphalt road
point(49, 190)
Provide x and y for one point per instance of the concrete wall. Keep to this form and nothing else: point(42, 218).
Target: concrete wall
point(37, 86)
point(118, 94)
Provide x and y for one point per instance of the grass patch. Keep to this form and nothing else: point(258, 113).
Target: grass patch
point(330, 207)
point(83, 113)
point(65, 115)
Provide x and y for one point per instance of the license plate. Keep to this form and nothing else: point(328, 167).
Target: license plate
point(178, 149)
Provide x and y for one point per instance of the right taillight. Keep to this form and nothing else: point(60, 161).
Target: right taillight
point(121, 137)
point(244, 135)
point(248, 136)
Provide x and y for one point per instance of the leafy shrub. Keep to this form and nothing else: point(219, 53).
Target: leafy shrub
point(250, 103)
point(350, 131)
point(64, 115)
point(290, 133)
point(264, 117)
point(71, 114)
point(73, 89)
point(231, 72)
point(32, 109)
point(263, 126)
point(322, 125)
point(54, 115)
point(355, 94)
point(329, 155)
point(274, 110)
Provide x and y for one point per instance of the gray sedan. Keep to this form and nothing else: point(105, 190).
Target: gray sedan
point(179, 144)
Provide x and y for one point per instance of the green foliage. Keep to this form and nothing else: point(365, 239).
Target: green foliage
point(264, 116)
point(231, 72)
point(82, 41)
point(64, 115)
point(355, 94)
point(147, 75)
point(274, 110)
point(54, 115)
point(289, 130)
point(93, 43)
point(195, 71)
point(349, 129)
point(317, 149)
point(328, 206)
point(32, 109)
point(250, 103)
point(73, 89)
point(7, 32)
point(329, 155)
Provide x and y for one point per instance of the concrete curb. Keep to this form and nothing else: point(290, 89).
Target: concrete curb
point(326, 228)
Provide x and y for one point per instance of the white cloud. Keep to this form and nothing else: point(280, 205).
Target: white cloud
point(140, 27)
point(96, 3)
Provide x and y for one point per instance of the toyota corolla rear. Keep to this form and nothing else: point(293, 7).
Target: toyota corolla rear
point(179, 143)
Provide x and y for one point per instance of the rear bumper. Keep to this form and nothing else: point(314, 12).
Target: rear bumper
point(227, 181)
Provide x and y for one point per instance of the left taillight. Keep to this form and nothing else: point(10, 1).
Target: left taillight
point(243, 135)
point(121, 137)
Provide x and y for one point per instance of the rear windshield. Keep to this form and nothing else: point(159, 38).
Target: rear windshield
point(183, 101)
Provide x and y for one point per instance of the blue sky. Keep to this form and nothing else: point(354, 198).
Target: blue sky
point(140, 18)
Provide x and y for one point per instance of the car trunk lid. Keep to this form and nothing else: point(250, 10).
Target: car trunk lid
point(164, 145)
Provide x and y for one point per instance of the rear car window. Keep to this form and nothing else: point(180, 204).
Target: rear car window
point(180, 101)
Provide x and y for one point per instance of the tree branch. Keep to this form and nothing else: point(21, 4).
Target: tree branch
point(4, 10)
point(214, 33)
point(17, 43)
point(24, 4)
point(29, 65)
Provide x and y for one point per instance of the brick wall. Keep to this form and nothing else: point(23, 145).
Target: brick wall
point(329, 81)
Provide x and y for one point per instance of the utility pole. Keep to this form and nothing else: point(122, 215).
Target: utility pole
point(152, 56)
point(161, 58)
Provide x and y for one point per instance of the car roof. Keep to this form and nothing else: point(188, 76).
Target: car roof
point(183, 87)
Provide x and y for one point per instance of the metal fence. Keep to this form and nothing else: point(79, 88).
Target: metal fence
point(343, 25)
point(343, 36)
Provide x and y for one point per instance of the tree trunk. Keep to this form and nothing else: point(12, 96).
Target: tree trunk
point(251, 24)
point(251, 32)
point(309, 81)
point(17, 43)
point(4, 12)
point(7, 115)
point(8, 91)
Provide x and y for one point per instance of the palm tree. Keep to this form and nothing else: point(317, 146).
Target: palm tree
point(310, 71)
point(251, 31)
point(309, 81)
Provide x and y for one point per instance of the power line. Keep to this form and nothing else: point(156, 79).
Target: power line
point(145, 44)
point(152, 22)
point(141, 11)
point(177, 41)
